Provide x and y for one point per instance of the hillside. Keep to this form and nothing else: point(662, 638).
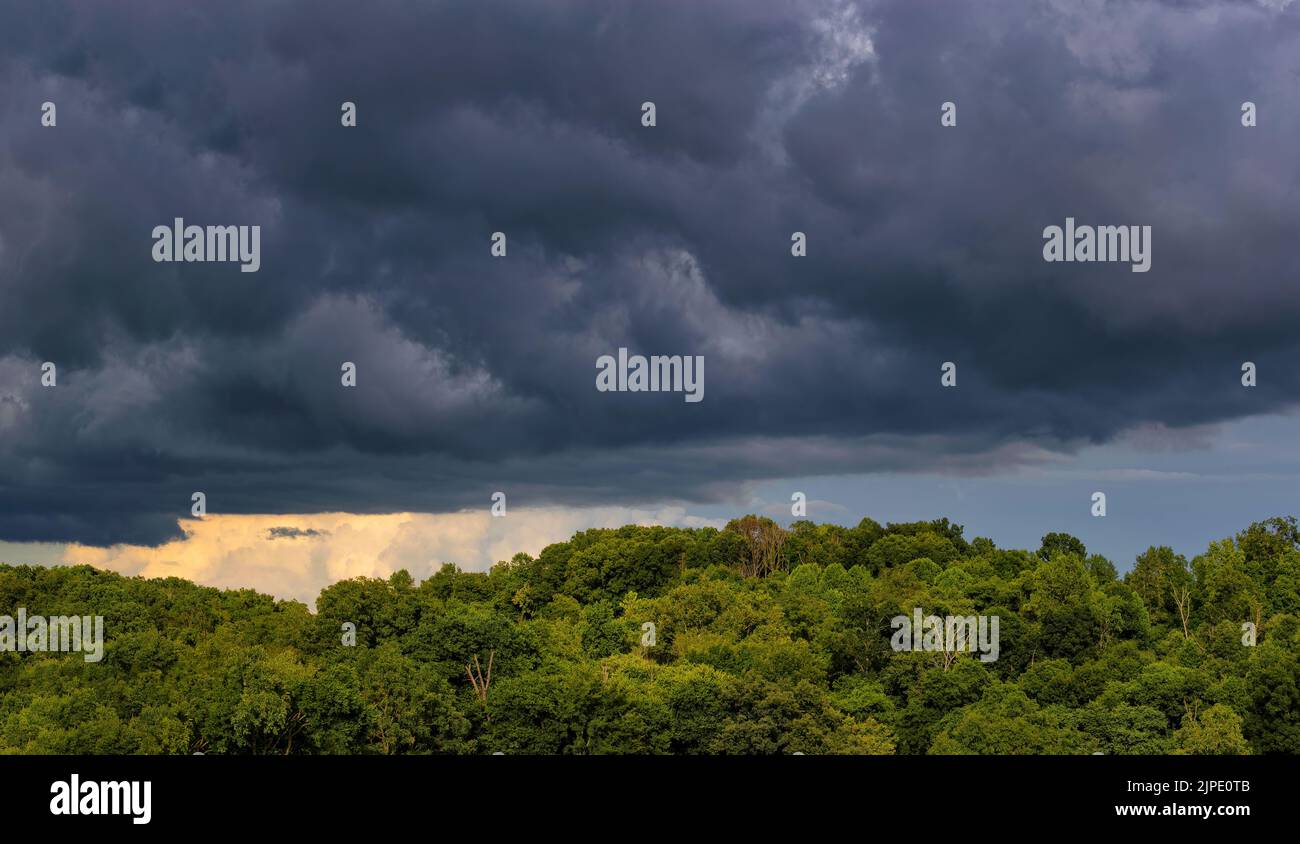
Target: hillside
point(750, 640)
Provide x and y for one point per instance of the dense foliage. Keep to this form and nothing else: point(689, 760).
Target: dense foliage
point(766, 641)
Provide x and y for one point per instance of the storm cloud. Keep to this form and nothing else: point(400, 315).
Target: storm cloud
point(476, 373)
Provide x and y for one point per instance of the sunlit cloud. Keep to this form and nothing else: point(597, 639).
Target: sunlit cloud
point(295, 556)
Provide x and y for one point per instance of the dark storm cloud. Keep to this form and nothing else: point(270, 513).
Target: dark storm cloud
point(477, 374)
point(294, 533)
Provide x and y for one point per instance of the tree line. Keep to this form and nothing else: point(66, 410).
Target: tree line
point(753, 639)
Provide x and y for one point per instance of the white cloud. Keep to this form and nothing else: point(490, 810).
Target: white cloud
point(237, 551)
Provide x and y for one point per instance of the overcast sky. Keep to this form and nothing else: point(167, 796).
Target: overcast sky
point(477, 373)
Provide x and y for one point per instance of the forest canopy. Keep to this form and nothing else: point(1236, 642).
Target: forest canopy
point(753, 639)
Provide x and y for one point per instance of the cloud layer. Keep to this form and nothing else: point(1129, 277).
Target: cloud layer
point(297, 556)
point(477, 373)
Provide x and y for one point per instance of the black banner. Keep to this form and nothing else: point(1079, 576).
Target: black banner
point(211, 793)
